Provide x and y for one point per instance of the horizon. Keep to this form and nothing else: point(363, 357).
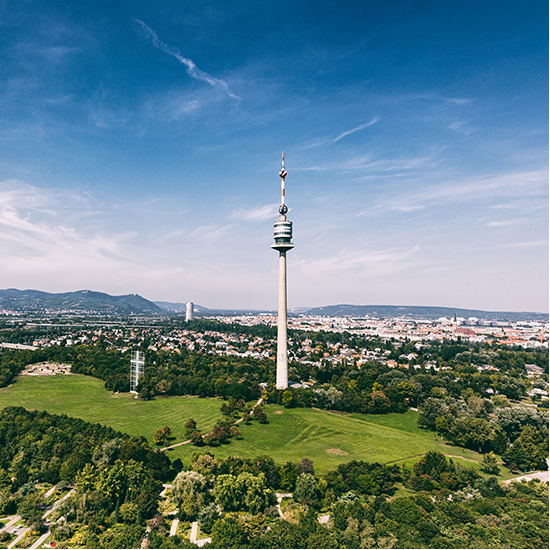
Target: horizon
point(141, 145)
point(291, 310)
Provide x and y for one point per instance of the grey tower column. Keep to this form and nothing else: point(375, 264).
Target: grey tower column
point(282, 232)
point(282, 354)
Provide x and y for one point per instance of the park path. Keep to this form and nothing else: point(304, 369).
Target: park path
point(280, 497)
point(189, 441)
point(13, 543)
point(41, 540)
point(194, 534)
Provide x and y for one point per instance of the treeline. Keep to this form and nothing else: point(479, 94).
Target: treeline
point(117, 478)
point(352, 507)
point(519, 434)
point(169, 374)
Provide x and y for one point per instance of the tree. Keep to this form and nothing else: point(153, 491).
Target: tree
point(246, 491)
point(226, 492)
point(228, 533)
point(306, 489)
point(235, 432)
point(259, 415)
point(196, 438)
point(188, 492)
point(289, 475)
point(305, 466)
point(86, 478)
point(190, 426)
point(379, 403)
point(433, 464)
point(190, 481)
point(220, 433)
point(287, 399)
point(257, 494)
point(489, 464)
point(159, 437)
point(129, 512)
point(405, 510)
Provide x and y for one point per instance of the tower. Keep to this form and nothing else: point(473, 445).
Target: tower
point(137, 364)
point(282, 233)
point(189, 311)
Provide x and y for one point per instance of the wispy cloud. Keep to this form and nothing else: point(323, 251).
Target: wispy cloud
point(257, 214)
point(192, 70)
point(376, 168)
point(356, 129)
point(363, 262)
point(505, 223)
point(329, 141)
point(524, 244)
point(461, 127)
point(211, 232)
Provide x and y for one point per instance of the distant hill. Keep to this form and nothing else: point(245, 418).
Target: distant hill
point(424, 312)
point(85, 301)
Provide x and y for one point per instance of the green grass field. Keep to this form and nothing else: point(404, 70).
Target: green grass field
point(326, 438)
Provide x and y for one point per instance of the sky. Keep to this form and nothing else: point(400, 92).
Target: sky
point(140, 145)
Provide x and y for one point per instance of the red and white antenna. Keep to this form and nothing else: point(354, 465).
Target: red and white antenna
point(283, 173)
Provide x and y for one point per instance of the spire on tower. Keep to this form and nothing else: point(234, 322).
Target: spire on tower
point(283, 173)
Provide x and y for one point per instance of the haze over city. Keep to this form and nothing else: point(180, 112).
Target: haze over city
point(140, 146)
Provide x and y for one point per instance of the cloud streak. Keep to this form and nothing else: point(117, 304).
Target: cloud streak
point(257, 214)
point(192, 70)
point(343, 134)
point(356, 129)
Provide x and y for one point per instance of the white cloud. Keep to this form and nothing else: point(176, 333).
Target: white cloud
point(505, 223)
point(192, 70)
point(325, 141)
point(256, 214)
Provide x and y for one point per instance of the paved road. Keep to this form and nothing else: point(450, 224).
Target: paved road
point(543, 476)
point(10, 523)
point(14, 542)
point(41, 540)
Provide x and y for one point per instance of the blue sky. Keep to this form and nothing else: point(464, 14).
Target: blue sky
point(140, 145)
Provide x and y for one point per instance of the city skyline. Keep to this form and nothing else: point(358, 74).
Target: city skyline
point(140, 146)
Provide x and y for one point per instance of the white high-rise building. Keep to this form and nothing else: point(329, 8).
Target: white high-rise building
point(282, 232)
point(189, 311)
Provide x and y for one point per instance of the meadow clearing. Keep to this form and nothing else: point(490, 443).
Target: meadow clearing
point(326, 438)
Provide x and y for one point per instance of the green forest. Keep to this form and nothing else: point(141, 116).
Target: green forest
point(90, 486)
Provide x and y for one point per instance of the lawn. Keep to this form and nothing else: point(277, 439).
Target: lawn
point(85, 397)
point(291, 434)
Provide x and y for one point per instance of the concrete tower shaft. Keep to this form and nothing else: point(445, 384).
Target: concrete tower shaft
point(282, 233)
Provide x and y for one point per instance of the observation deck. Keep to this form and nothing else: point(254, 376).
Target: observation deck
point(282, 233)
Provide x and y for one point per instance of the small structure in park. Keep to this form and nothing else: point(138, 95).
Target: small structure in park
point(137, 366)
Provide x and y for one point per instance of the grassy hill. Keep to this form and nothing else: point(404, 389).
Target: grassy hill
point(326, 438)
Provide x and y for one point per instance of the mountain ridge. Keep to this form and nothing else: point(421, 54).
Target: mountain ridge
point(99, 302)
point(79, 301)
